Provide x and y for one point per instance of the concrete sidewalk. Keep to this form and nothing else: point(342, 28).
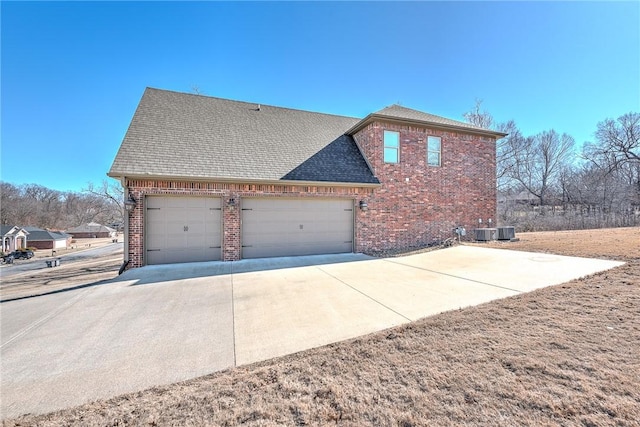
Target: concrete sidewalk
point(162, 324)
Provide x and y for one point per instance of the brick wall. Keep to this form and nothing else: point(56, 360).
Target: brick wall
point(418, 204)
point(231, 213)
point(40, 244)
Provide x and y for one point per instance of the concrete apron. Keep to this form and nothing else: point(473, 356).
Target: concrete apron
point(161, 324)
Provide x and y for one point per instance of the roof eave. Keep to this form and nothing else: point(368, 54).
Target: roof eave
point(378, 117)
point(119, 175)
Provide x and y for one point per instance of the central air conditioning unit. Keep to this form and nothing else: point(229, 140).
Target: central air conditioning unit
point(506, 233)
point(485, 234)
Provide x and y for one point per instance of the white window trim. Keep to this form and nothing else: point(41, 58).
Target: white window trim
point(434, 151)
point(384, 147)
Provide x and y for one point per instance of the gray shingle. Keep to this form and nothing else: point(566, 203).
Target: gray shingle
point(398, 112)
point(180, 135)
point(38, 234)
point(192, 136)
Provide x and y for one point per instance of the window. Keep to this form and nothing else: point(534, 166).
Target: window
point(391, 146)
point(434, 149)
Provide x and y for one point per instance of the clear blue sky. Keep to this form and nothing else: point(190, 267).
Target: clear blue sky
point(73, 73)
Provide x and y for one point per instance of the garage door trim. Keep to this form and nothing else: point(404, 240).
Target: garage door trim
point(200, 226)
point(339, 212)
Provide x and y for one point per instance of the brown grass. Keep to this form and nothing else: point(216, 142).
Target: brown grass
point(565, 355)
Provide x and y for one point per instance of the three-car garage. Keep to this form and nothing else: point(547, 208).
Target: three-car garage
point(191, 229)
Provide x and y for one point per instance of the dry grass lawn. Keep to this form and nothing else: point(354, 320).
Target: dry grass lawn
point(565, 355)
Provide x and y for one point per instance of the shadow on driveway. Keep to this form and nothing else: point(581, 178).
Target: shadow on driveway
point(173, 272)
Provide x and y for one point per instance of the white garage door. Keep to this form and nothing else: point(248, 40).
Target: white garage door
point(289, 227)
point(183, 229)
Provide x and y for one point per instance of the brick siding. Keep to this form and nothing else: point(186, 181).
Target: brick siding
point(40, 244)
point(231, 214)
point(418, 204)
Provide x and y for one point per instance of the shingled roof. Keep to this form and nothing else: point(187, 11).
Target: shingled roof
point(186, 136)
point(179, 135)
point(91, 227)
point(38, 234)
point(397, 112)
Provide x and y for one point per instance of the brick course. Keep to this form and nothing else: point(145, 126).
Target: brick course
point(231, 214)
point(418, 204)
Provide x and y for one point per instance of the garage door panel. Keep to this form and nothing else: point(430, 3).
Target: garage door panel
point(289, 227)
point(183, 229)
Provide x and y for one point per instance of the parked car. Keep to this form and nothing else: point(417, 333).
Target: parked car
point(7, 259)
point(23, 254)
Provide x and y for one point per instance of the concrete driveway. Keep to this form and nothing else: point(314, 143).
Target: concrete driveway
point(162, 324)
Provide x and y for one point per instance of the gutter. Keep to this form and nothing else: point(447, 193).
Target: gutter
point(398, 120)
point(123, 176)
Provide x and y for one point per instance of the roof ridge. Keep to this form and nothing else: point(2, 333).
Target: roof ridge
point(447, 119)
point(249, 103)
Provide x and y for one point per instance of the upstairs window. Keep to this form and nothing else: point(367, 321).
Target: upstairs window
point(434, 151)
point(391, 146)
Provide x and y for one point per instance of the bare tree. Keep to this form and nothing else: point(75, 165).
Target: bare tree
point(508, 152)
point(196, 89)
point(538, 164)
point(9, 198)
point(39, 206)
point(112, 196)
point(478, 117)
point(617, 142)
point(603, 191)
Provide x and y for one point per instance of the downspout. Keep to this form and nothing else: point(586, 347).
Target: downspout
point(123, 182)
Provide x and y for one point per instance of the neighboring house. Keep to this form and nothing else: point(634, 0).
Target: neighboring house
point(13, 237)
point(91, 230)
point(45, 239)
point(215, 179)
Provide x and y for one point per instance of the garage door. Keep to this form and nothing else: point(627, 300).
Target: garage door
point(289, 227)
point(183, 229)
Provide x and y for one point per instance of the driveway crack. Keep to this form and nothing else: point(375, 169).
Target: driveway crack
point(362, 293)
point(453, 275)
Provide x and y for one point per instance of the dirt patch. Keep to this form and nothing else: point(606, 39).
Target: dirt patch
point(563, 355)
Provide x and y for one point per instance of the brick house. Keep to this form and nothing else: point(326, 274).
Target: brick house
point(46, 239)
point(91, 230)
point(214, 179)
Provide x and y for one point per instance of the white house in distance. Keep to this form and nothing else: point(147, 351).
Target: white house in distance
point(13, 237)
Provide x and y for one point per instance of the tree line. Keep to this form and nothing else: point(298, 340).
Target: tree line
point(547, 182)
point(39, 206)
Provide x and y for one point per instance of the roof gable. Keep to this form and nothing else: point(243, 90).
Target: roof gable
point(179, 135)
point(12, 230)
point(403, 114)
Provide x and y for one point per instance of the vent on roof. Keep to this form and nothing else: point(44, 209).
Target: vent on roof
point(258, 109)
